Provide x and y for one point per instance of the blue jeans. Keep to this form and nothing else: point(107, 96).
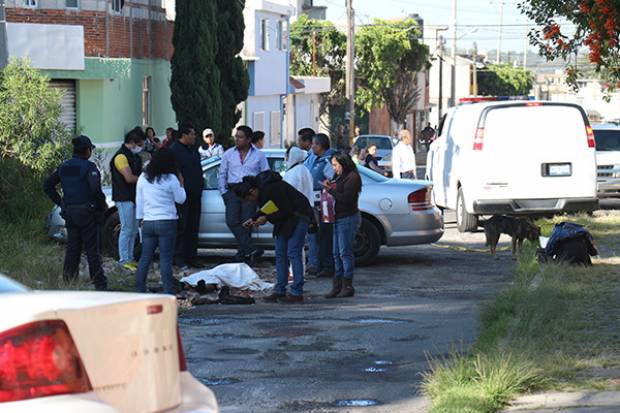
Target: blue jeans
point(163, 234)
point(129, 230)
point(289, 250)
point(344, 236)
point(320, 248)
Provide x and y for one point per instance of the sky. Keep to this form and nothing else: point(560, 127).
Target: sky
point(470, 13)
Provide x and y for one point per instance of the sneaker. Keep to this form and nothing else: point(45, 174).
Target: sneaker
point(254, 256)
point(239, 257)
point(291, 299)
point(274, 297)
point(131, 266)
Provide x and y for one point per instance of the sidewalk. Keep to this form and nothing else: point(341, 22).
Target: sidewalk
point(575, 402)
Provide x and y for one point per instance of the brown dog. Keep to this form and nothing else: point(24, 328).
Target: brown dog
point(518, 228)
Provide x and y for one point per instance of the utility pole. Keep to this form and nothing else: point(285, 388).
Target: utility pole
point(350, 75)
point(525, 44)
point(4, 48)
point(475, 74)
point(453, 66)
point(498, 57)
point(440, 103)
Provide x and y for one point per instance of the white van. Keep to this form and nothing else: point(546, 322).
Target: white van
point(607, 138)
point(513, 158)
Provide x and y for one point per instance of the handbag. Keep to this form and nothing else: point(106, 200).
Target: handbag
point(328, 214)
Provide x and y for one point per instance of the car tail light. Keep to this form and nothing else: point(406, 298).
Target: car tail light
point(420, 200)
point(590, 134)
point(533, 104)
point(182, 361)
point(479, 139)
point(40, 359)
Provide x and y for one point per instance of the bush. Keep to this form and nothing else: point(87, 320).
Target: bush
point(30, 127)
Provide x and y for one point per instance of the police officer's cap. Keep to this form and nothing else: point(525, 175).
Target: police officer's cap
point(82, 142)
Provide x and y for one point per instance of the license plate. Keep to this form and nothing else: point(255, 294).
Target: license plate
point(560, 169)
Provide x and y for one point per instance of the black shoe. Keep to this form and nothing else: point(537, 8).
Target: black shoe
point(291, 299)
point(311, 271)
point(254, 256)
point(274, 297)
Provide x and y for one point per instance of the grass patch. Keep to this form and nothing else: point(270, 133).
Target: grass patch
point(555, 327)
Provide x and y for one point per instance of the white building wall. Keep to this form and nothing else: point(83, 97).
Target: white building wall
point(260, 111)
point(462, 84)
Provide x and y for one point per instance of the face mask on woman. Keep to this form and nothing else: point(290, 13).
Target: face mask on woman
point(136, 150)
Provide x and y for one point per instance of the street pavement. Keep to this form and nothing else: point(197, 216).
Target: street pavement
point(361, 354)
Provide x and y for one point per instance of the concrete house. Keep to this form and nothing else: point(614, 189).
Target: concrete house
point(111, 59)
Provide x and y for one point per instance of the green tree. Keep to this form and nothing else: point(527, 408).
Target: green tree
point(30, 128)
point(319, 49)
point(234, 76)
point(195, 81)
point(504, 80)
point(389, 55)
point(568, 25)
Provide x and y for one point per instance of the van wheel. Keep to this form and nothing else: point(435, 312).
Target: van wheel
point(367, 243)
point(109, 237)
point(465, 222)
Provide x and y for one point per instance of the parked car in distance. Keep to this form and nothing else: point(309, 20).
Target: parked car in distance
point(394, 213)
point(384, 143)
point(607, 138)
point(96, 352)
point(513, 157)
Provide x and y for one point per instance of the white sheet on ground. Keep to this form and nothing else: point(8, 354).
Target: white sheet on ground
point(237, 275)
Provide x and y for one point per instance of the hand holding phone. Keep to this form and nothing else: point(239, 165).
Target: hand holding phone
point(249, 223)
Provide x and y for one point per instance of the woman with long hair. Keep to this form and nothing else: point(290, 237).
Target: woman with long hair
point(345, 188)
point(159, 188)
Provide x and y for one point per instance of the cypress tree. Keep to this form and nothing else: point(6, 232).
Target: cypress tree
point(195, 80)
point(234, 76)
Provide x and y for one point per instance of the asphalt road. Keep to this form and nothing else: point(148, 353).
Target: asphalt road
point(333, 355)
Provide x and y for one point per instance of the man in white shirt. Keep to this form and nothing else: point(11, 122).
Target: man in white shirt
point(403, 157)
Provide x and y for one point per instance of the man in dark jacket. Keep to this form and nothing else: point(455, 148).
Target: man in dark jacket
point(291, 215)
point(125, 168)
point(188, 161)
point(83, 206)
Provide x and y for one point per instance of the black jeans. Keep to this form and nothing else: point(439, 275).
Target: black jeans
point(187, 232)
point(88, 235)
point(237, 212)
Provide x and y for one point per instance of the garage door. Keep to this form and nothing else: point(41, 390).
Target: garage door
point(68, 114)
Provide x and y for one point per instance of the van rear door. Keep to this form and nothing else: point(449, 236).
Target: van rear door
point(535, 151)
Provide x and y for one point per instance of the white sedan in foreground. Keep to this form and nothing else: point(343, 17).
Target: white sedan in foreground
point(76, 352)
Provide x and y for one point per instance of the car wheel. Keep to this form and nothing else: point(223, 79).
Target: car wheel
point(465, 221)
point(110, 232)
point(367, 243)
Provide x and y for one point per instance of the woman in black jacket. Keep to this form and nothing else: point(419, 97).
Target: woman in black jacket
point(345, 189)
point(291, 214)
point(371, 162)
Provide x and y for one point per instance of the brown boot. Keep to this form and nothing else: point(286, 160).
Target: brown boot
point(347, 288)
point(336, 287)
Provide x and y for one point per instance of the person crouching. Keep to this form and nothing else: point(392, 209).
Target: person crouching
point(291, 214)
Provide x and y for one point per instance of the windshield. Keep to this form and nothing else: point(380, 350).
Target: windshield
point(369, 173)
point(379, 142)
point(7, 285)
point(607, 140)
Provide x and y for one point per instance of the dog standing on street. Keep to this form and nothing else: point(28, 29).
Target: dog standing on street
point(518, 228)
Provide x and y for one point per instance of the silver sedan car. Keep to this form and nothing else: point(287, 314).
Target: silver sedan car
point(394, 213)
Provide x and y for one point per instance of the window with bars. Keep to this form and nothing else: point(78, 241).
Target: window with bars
point(30, 3)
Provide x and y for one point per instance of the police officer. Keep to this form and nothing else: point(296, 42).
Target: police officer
point(82, 206)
